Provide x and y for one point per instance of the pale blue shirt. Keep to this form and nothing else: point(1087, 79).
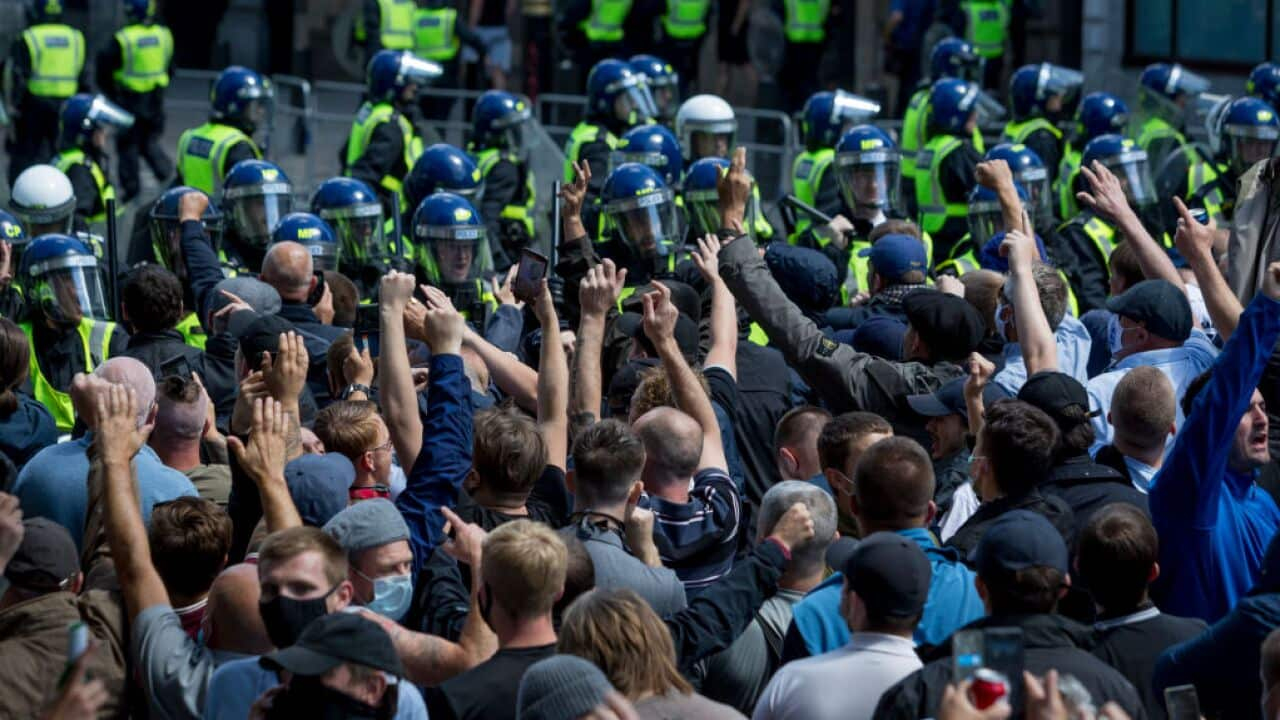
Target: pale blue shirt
point(1074, 345)
point(236, 685)
point(1181, 365)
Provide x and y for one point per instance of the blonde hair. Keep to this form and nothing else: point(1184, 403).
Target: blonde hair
point(624, 637)
point(524, 564)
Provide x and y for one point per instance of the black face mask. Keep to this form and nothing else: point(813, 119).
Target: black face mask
point(285, 617)
point(307, 697)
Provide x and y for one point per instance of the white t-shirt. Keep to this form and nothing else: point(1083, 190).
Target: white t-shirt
point(844, 684)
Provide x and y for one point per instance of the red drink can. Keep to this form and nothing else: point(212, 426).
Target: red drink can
point(987, 688)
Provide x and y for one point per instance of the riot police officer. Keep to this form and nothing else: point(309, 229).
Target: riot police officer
point(1100, 113)
point(13, 240)
point(46, 66)
point(66, 324)
point(165, 228)
point(1088, 236)
point(441, 168)
point(1264, 83)
point(240, 101)
point(825, 119)
point(453, 254)
point(353, 211)
point(986, 220)
point(498, 125)
point(663, 80)
point(701, 201)
point(1245, 132)
point(83, 129)
point(384, 143)
point(867, 167)
point(706, 127)
point(134, 72)
point(643, 222)
point(617, 100)
point(1163, 92)
point(312, 233)
point(950, 58)
point(683, 28)
point(255, 196)
point(945, 167)
point(804, 29)
point(1038, 96)
point(652, 145)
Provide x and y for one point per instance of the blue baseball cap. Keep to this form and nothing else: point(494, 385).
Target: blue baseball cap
point(896, 255)
point(1019, 540)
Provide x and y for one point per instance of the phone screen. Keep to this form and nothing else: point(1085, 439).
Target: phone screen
point(1182, 703)
point(317, 292)
point(368, 331)
point(966, 654)
point(533, 268)
point(1003, 652)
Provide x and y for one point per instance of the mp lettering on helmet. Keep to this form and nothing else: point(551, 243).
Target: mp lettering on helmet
point(461, 214)
point(1265, 115)
point(308, 233)
point(871, 143)
point(270, 174)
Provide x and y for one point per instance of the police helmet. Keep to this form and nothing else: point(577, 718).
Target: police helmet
point(652, 145)
point(1033, 86)
point(166, 227)
point(241, 96)
point(663, 82)
point(497, 119)
point(986, 216)
point(312, 233)
point(447, 168)
point(1099, 113)
point(1029, 172)
point(1162, 85)
point(255, 195)
point(451, 242)
point(391, 71)
point(83, 114)
point(951, 104)
point(955, 58)
point(1124, 158)
point(713, 120)
point(619, 95)
point(1264, 82)
point(61, 277)
point(641, 209)
point(1248, 130)
point(43, 199)
point(868, 168)
point(827, 115)
point(352, 209)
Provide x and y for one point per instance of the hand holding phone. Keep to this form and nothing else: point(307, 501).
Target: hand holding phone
point(368, 330)
point(529, 275)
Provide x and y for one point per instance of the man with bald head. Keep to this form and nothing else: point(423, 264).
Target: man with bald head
point(696, 506)
point(288, 268)
point(53, 483)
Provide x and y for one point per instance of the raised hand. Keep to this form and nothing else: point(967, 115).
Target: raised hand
point(573, 194)
point(660, 314)
point(734, 191)
point(993, 174)
point(794, 527)
point(286, 373)
point(395, 290)
point(1193, 238)
point(442, 325)
point(707, 258)
point(502, 290)
point(1019, 248)
point(1107, 196)
point(118, 435)
point(981, 370)
point(467, 543)
point(357, 367)
point(191, 206)
point(600, 289)
point(263, 458)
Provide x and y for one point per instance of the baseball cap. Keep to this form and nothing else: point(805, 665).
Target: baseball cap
point(318, 485)
point(263, 298)
point(1054, 392)
point(896, 255)
point(367, 524)
point(890, 574)
point(1159, 305)
point(260, 334)
point(946, 400)
point(949, 325)
point(333, 639)
point(1018, 540)
point(45, 559)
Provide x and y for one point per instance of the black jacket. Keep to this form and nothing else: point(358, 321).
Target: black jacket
point(1131, 644)
point(1053, 508)
point(1051, 642)
point(317, 337)
point(154, 349)
point(1088, 486)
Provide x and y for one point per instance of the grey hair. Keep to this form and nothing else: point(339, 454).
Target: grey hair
point(807, 556)
point(1052, 290)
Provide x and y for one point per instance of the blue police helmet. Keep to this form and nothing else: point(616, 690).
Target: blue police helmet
point(163, 221)
point(985, 199)
point(656, 71)
point(11, 231)
point(82, 114)
point(1264, 82)
point(166, 206)
point(443, 214)
point(610, 78)
point(954, 58)
point(254, 174)
point(1248, 124)
point(1032, 85)
point(496, 113)
point(255, 195)
point(655, 146)
point(817, 125)
point(1171, 80)
point(236, 90)
point(354, 212)
point(444, 225)
point(390, 71)
point(139, 11)
point(1100, 113)
point(52, 252)
point(339, 194)
point(951, 102)
point(443, 167)
point(313, 233)
point(1020, 157)
point(863, 138)
point(1106, 147)
point(1250, 112)
point(703, 174)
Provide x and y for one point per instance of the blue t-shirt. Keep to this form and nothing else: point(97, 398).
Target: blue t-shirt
point(54, 484)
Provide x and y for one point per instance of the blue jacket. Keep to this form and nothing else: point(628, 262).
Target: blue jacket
point(1223, 661)
point(953, 601)
point(444, 460)
point(1214, 524)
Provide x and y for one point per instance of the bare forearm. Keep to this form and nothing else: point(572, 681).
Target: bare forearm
point(1011, 208)
point(691, 398)
point(1224, 308)
point(127, 537)
point(1152, 258)
point(724, 330)
point(1034, 333)
point(586, 358)
point(510, 375)
point(293, 432)
point(430, 660)
point(278, 509)
point(395, 384)
point(553, 393)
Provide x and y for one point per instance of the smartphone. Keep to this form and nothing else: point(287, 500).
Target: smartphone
point(1002, 651)
point(966, 654)
point(77, 641)
point(317, 292)
point(1182, 703)
point(368, 330)
point(178, 366)
point(529, 275)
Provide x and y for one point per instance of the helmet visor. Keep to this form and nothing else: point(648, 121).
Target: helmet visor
point(1036, 182)
point(634, 105)
point(1058, 80)
point(985, 220)
point(70, 288)
point(104, 112)
point(1251, 143)
point(360, 231)
point(1131, 169)
point(256, 210)
point(666, 96)
point(454, 255)
point(869, 179)
point(849, 110)
point(712, 139)
point(655, 160)
point(971, 67)
point(989, 108)
point(1182, 80)
point(324, 255)
point(647, 224)
point(418, 70)
point(703, 210)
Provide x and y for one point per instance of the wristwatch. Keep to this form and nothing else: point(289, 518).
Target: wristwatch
point(356, 387)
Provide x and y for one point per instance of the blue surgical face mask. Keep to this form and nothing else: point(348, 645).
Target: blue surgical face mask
point(392, 595)
point(1002, 325)
point(1115, 335)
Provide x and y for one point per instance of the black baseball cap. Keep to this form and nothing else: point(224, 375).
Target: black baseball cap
point(261, 335)
point(1159, 305)
point(46, 559)
point(890, 574)
point(949, 325)
point(333, 639)
point(1018, 540)
point(1054, 392)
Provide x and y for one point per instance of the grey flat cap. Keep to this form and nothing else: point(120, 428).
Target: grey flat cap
point(367, 524)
